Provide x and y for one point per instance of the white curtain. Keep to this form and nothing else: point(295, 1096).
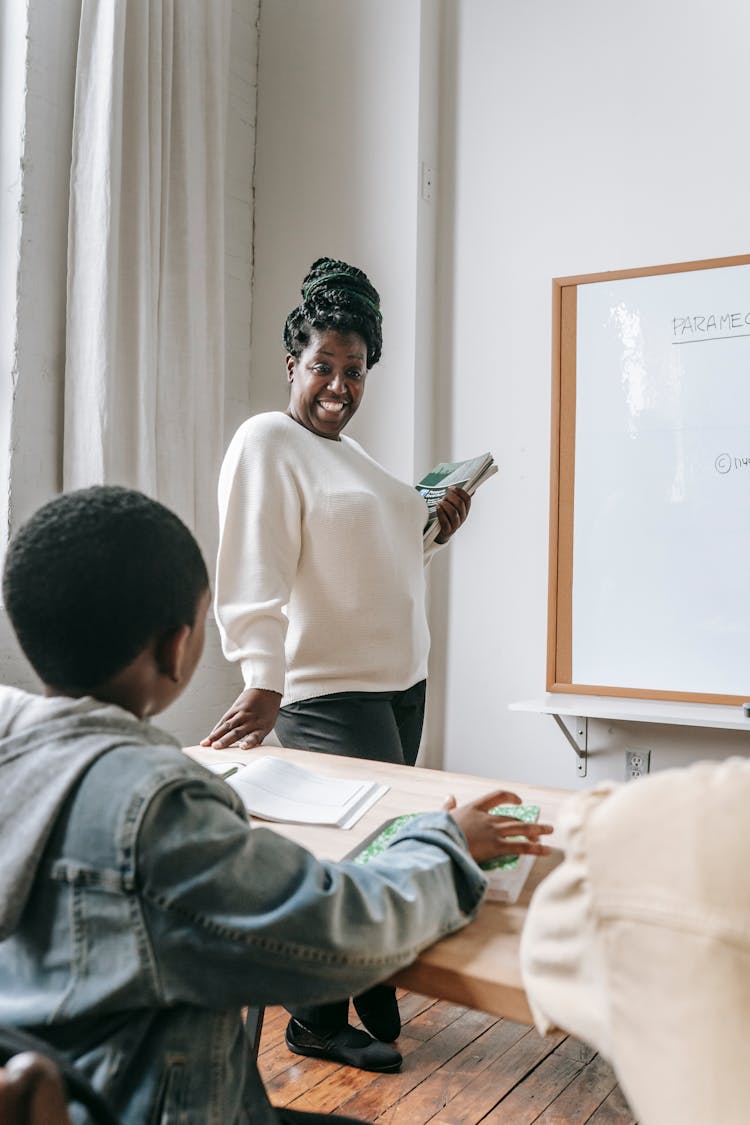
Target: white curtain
point(144, 380)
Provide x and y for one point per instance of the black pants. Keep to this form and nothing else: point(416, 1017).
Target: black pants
point(381, 726)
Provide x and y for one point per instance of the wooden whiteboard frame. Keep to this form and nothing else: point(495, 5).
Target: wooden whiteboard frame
point(562, 485)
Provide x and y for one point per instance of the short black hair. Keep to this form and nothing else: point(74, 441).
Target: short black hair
point(92, 577)
point(336, 297)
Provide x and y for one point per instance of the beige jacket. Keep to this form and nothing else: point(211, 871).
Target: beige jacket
point(639, 942)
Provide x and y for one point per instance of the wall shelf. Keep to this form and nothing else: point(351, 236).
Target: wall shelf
point(572, 712)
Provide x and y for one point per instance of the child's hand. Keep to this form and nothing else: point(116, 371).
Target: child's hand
point(489, 836)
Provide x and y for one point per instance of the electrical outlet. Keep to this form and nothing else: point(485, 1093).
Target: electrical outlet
point(637, 763)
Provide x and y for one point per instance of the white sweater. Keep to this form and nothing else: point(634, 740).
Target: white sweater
point(320, 584)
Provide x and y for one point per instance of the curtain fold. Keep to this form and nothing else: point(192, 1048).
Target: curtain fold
point(144, 379)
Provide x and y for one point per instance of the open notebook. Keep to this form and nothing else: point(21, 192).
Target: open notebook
point(273, 789)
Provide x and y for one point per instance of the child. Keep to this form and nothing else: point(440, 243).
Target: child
point(139, 911)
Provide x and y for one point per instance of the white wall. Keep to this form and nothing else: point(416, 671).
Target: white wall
point(590, 135)
point(340, 114)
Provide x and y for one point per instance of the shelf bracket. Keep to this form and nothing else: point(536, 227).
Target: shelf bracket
point(576, 731)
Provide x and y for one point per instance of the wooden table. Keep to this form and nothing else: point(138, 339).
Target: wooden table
point(478, 967)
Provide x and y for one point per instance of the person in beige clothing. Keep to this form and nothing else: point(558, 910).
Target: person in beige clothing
point(639, 942)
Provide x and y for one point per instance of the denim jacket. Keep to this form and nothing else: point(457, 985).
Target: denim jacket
point(140, 912)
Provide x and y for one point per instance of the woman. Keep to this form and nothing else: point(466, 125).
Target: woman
point(320, 588)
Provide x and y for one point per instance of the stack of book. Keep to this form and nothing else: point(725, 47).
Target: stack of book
point(464, 474)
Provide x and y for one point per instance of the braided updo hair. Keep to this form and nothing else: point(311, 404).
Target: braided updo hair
point(336, 297)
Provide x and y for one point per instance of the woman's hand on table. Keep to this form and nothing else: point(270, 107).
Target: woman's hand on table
point(491, 836)
point(247, 722)
point(452, 512)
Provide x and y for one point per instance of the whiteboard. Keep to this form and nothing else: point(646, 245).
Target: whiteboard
point(650, 579)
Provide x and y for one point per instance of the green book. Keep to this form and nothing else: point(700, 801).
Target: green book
point(502, 888)
point(466, 474)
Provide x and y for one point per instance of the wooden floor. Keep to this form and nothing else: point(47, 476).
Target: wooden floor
point(460, 1067)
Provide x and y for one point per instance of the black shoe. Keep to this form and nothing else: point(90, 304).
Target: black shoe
point(378, 1010)
point(348, 1045)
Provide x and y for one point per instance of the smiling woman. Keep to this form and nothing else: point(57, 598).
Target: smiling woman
point(320, 587)
point(327, 382)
